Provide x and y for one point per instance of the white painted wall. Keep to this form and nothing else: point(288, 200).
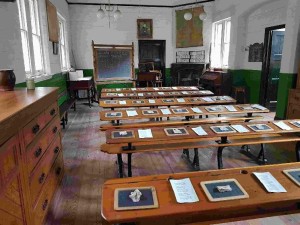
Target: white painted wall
point(10, 40)
point(85, 27)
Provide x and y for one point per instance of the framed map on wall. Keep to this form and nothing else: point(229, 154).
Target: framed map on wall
point(189, 32)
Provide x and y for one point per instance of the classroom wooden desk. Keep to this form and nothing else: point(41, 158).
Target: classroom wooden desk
point(149, 89)
point(161, 141)
point(85, 83)
point(259, 204)
point(172, 94)
point(216, 110)
point(166, 102)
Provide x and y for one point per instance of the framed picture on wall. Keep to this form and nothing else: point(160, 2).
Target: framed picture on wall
point(144, 28)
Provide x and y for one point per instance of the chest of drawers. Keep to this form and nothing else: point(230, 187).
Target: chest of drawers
point(31, 160)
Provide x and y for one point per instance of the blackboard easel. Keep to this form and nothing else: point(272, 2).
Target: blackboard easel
point(113, 63)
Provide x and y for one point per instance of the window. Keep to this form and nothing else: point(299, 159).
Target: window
point(31, 38)
point(63, 43)
point(220, 43)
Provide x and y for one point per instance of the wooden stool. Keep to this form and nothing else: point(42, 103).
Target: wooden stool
point(241, 90)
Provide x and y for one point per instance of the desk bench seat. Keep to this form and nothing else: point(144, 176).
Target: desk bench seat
point(63, 110)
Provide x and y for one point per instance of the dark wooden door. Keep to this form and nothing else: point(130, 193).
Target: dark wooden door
point(153, 51)
point(274, 38)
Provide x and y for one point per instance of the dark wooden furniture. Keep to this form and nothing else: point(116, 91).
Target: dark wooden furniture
point(259, 204)
point(65, 106)
point(31, 160)
point(188, 115)
point(162, 142)
point(148, 89)
point(158, 94)
point(85, 83)
point(186, 74)
point(293, 107)
point(160, 102)
point(147, 78)
point(216, 81)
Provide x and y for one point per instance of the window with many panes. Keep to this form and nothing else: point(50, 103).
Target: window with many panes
point(31, 37)
point(63, 43)
point(220, 43)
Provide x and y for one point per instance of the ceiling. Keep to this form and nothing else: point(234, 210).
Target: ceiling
point(162, 3)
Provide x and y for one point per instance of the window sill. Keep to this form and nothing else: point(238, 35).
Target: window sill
point(42, 78)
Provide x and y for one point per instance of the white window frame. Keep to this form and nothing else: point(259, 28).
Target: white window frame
point(219, 57)
point(30, 18)
point(63, 44)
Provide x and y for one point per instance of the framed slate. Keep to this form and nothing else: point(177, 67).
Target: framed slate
point(176, 131)
point(113, 114)
point(223, 129)
point(260, 127)
point(296, 123)
point(150, 112)
point(177, 111)
point(110, 102)
point(293, 174)
point(148, 198)
point(213, 193)
point(122, 134)
point(138, 102)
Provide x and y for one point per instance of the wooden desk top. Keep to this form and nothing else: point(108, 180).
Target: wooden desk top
point(158, 94)
point(159, 133)
point(259, 202)
point(164, 102)
point(149, 89)
point(186, 111)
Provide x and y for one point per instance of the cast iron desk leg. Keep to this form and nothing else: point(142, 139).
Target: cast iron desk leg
point(120, 165)
point(129, 164)
point(298, 151)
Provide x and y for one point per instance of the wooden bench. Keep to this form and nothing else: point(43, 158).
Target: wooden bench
point(65, 106)
point(259, 204)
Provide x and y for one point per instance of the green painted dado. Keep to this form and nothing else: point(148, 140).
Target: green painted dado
point(250, 79)
point(286, 82)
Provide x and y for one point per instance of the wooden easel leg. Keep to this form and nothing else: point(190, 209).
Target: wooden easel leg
point(120, 165)
point(129, 164)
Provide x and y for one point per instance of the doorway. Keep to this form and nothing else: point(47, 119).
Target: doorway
point(154, 51)
point(274, 38)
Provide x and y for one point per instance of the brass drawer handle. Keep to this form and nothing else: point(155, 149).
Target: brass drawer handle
point(54, 130)
point(42, 178)
point(58, 171)
point(56, 150)
point(38, 152)
point(52, 112)
point(35, 128)
point(45, 204)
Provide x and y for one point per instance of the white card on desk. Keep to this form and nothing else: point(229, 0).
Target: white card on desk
point(121, 95)
point(160, 93)
point(131, 113)
point(134, 89)
point(122, 102)
point(194, 88)
point(230, 108)
point(118, 89)
point(240, 128)
point(140, 94)
point(199, 130)
point(185, 92)
point(145, 133)
point(256, 106)
point(196, 110)
point(282, 125)
point(175, 88)
point(269, 182)
point(156, 89)
point(165, 111)
point(184, 191)
point(227, 98)
point(151, 101)
point(208, 99)
point(180, 100)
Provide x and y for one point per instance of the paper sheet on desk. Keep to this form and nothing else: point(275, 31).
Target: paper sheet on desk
point(180, 100)
point(145, 133)
point(156, 89)
point(199, 130)
point(269, 182)
point(131, 113)
point(165, 111)
point(194, 88)
point(151, 101)
point(160, 93)
point(230, 108)
point(196, 110)
point(240, 128)
point(185, 92)
point(118, 89)
point(208, 99)
point(140, 94)
point(175, 88)
point(122, 102)
point(184, 191)
point(258, 107)
point(282, 125)
point(133, 89)
point(121, 95)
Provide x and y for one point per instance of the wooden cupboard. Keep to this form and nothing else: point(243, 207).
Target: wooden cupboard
point(31, 160)
point(293, 107)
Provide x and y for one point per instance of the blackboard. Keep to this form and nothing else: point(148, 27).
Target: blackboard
point(113, 62)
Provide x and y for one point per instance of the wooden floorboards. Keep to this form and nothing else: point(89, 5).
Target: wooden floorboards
point(78, 200)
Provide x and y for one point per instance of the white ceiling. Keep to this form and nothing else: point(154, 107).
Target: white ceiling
point(138, 2)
